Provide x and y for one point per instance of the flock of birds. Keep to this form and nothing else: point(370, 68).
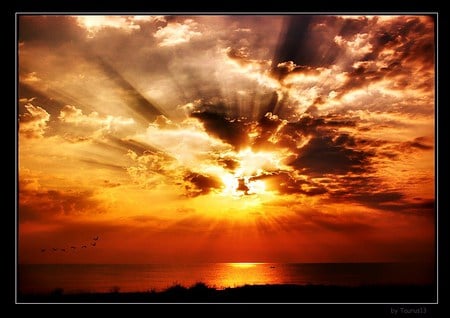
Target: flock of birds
point(73, 248)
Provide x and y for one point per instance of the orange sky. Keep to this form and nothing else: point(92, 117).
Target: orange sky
point(226, 138)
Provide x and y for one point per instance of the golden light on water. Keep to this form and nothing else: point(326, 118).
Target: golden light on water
point(239, 274)
point(244, 265)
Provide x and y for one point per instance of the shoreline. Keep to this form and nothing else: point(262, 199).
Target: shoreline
point(277, 293)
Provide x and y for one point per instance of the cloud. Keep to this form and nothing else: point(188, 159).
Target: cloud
point(297, 129)
point(357, 57)
point(187, 141)
point(175, 33)
point(33, 123)
point(420, 143)
point(100, 123)
point(386, 51)
point(242, 57)
point(285, 182)
point(153, 168)
point(57, 203)
point(95, 23)
point(30, 78)
point(198, 184)
point(311, 147)
point(230, 131)
point(26, 100)
point(357, 47)
point(324, 154)
point(391, 201)
point(49, 30)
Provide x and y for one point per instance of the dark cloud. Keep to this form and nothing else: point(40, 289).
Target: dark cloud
point(352, 26)
point(398, 34)
point(45, 204)
point(421, 143)
point(394, 201)
point(357, 78)
point(287, 183)
point(371, 191)
point(228, 163)
point(232, 131)
point(425, 208)
point(323, 155)
point(198, 184)
point(378, 198)
point(289, 133)
point(242, 186)
point(50, 30)
point(393, 150)
point(407, 57)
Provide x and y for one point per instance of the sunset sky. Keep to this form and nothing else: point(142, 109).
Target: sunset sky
point(226, 138)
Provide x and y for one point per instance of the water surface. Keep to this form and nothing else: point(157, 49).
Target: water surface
point(73, 278)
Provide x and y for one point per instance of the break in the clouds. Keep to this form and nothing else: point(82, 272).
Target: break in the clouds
point(287, 128)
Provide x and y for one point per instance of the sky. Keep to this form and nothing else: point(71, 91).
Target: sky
point(228, 138)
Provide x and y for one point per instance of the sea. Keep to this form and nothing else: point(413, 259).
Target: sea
point(80, 278)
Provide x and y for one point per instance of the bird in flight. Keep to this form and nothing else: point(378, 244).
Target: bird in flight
point(73, 248)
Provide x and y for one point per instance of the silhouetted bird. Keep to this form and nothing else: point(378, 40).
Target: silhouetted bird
point(84, 246)
point(96, 238)
point(42, 249)
point(93, 244)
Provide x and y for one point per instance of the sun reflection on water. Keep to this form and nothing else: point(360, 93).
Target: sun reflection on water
point(239, 274)
point(244, 265)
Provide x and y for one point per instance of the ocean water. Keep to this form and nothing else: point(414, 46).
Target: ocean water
point(75, 278)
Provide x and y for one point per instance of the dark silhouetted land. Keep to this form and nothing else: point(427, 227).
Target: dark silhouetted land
point(200, 293)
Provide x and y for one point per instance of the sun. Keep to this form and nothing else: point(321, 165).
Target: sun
point(253, 167)
point(231, 184)
point(237, 186)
